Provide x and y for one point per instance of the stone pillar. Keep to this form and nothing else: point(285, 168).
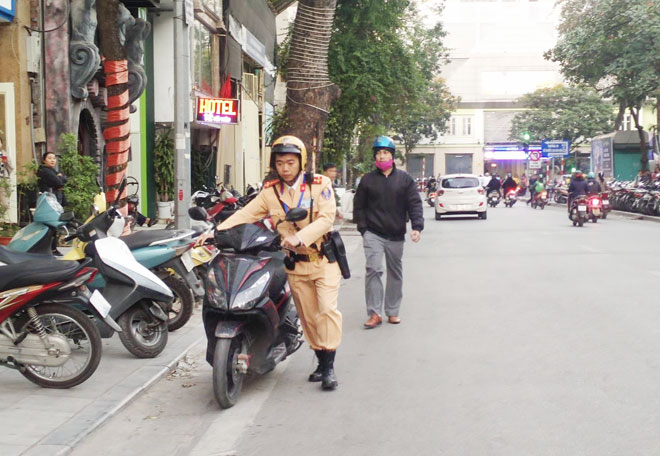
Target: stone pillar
point(58, 90)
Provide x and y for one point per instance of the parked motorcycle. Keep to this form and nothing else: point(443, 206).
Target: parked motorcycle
point(540, 200)
point(165, 252)
point(511, 197)
point(249, 316)
point(560, 195)
point(43, 334)
point(579, 207)
point(494, 198)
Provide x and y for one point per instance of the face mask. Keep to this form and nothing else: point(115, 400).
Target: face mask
point(384, 166)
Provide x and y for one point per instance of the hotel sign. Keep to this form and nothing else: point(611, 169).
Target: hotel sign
point(217, 111)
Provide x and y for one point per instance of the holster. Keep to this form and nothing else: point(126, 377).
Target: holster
point(334, 250)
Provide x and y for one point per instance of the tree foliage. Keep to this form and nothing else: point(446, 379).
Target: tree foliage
point(81, 170)
point(613, 46)
point(385, 63)
point(574, 113)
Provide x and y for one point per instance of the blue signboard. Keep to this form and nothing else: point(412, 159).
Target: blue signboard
point(7, 10)
point(555, 148)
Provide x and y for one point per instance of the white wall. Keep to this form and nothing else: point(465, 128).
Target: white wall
point(163, 33)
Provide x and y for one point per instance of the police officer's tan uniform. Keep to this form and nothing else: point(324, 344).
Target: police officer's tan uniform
point(314, 283)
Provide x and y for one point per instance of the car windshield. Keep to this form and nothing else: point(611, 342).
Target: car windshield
point(460, 182)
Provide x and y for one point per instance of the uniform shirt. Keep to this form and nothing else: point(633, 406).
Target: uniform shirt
point(310, 234)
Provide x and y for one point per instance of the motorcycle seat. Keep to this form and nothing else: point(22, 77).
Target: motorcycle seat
point(36, 272)
point(145, 238)
point(9, 256)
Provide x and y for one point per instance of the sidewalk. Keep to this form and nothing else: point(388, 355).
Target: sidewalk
point(37, 421)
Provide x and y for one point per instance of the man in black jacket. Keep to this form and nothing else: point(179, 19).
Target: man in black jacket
point(577, 187)
point(384, 201)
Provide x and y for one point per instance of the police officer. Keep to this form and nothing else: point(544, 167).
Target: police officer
point(314, 282)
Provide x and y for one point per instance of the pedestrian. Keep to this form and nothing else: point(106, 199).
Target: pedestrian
point(532, 185)
point(383, 202)
point(314, 281)
point(49, 179)
point(330, 171)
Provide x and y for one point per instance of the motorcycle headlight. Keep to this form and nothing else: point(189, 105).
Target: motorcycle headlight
point(215, 294)
point(247, 297)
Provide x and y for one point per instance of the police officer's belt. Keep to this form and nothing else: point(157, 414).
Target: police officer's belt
point(302, 257)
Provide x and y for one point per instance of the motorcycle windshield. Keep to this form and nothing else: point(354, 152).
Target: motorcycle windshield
point(48, 209)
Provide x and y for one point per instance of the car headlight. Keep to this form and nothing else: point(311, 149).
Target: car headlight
point(215, 295)
point(247, 297)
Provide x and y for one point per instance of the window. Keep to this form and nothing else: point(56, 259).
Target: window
point(460, 182)
point(203, 58)
point(628, 122)
point(460, 126)
point(467, 126)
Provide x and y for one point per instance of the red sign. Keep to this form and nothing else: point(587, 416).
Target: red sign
point(217, 110)
point(180, 195)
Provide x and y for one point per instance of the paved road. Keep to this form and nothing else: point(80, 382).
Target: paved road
point(521, 335)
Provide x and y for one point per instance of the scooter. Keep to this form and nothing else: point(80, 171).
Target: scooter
point(43, 334)
point(594, 208)
point(494, 198)
point(249, 316)
point(540, 200)
point(605, 200)
point(578, 213)
point(511, 197)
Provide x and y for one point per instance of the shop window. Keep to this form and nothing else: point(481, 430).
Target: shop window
point(203, 57)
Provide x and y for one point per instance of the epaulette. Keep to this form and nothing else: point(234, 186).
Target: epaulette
point(317, 179)
point(271, 183)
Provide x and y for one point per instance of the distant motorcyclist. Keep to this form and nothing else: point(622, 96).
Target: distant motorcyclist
point(577, 187)
point(493, 185)
point(593, 186)
point(508, 184)
point(532, 187)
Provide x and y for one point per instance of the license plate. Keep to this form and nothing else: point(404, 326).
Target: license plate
point(187, 261)
point(101, 304)
point(596, 211)
point(582, 208)
point(606, 201)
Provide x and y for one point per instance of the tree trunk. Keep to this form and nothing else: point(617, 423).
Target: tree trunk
point(310, 92)
point(619, 115)
point(116, 129)
point(644, 158)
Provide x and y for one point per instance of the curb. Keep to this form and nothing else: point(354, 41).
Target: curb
point(62, 440)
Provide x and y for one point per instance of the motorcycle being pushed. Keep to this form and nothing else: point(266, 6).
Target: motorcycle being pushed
point(511, 197)
point(250, 319)
point(540, 200)
point(579, 207)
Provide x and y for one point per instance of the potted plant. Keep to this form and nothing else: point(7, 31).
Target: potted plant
point(164, 172)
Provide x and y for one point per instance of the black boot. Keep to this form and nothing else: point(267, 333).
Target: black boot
point(328, 380)
point(317, 375)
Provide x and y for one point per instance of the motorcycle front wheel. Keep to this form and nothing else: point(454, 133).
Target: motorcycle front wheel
point(142, 334)
point(83, 338)
point(229, 369)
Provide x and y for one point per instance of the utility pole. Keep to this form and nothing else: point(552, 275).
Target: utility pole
point(181, 109)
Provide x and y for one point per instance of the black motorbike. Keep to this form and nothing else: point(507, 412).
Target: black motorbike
point(250, 319)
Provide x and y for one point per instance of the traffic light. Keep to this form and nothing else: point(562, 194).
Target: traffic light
point(526, 136)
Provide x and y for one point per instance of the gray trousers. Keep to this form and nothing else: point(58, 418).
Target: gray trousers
point(374, 249)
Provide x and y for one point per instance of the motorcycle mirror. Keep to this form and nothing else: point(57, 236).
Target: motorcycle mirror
point(296, 214)
point(67, 216)
point(197, 213)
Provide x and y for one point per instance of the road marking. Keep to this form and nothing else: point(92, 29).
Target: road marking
point(590, 249)
point(225, 432)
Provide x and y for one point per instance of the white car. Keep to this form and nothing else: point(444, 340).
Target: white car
point(460, 194)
